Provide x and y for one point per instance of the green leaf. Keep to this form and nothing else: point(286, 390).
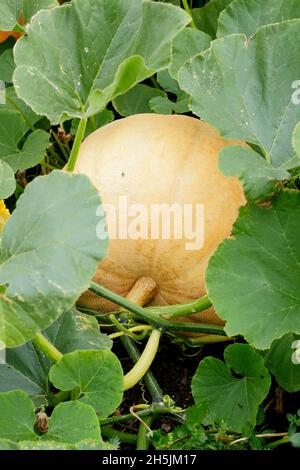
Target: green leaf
point(294, 439)
point(31, 7)
point(12, 130)
point(279, 362)
point(188, 43)
point(9, 14)
point(7, 180)
point(259, 178)
point(54, 445)
point(32, 153)
point(27, 368)
point(17, 416)
point(75, 330)
point(234, 400)
point(247, 16)
point(296, 139)
point(136, 100)
point(206, 18)
point(77, 58)
point(15, 104)
point(240, 78)
point(161, 105)
point(7, 65)
point(49, 252)
point(253, 279)
point(73, 422)
point(94, 122)
point(98, 376)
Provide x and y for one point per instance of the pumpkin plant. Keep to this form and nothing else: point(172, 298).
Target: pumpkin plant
point(162, 103)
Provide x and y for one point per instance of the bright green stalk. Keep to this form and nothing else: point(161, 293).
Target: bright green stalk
point(46, 347)
point(77, 142)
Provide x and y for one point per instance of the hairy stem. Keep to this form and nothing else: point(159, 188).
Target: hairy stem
point(181, 310)
point(143, 440)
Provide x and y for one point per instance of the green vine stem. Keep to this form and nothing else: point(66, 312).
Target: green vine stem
point(141, 367)
point(188, 10)
point(153, 319)
point(143, 440)
point(142, 328)
point(151, 410)
point(76, 145)
point(149, 380)
point(181, 310)
point(125, 437)
point(46, 347)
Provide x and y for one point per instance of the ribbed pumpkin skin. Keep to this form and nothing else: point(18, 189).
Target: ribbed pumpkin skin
point(160, 159)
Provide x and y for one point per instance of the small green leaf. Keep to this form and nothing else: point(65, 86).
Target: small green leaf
point(66, 69)
point(235, 86)
point(235, 400)
point(98, 376)
point(161, 105)
point(44, 262)
point(17, 416)
point(206, 18)
point(188, 43)
point(259, 178)
point(247, 16)
point(32, 152)
point(294, 439)
point(253, 278)
point(7, 180)
point(279, 362)
point(73, 422)
point(136, 100)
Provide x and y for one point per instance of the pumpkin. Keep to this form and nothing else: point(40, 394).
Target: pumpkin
point(159, 159)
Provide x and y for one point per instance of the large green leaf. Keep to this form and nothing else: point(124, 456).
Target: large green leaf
point(242, 79)
point(259, 178)
point(7, 180)
point(247, 16)
point(233, 399)
point(12, 130)
point(27, 368)
point(98, 376)
point(206, 18)
point(49, 252)
point(279, 362)
point(253, 279)
point(77, 58)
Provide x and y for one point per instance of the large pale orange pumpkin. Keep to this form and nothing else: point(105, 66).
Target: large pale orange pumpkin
point(159, 159)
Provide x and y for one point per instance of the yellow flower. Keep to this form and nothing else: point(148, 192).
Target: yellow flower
point(4, 215)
